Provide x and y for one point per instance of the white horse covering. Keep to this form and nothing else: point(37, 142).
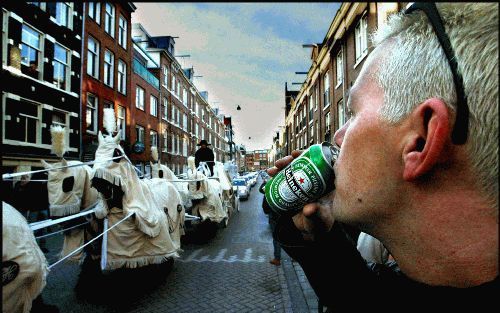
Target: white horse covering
point(63, 202)
point(147, 237)
point(159, 170)
point(81, 195)
point(24, 267)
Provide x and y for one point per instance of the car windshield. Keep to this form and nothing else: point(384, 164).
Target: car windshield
point(238, 182)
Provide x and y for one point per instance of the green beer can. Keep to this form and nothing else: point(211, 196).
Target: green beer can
point(305, 180)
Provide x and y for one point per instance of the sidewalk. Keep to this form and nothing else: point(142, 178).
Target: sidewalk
point(298, 295)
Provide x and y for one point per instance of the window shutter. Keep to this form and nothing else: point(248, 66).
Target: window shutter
point(48, 68)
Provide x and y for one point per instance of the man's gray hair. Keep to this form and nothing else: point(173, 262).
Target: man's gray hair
point(415, 69)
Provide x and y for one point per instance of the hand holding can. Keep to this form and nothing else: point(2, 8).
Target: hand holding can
point(305, 180)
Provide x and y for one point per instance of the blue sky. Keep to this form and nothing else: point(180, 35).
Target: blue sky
point(245, 53)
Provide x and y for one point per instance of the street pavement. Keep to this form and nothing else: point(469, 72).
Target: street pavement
point(220, 270)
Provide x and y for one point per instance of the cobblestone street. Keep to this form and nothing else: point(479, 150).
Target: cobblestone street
point(228, 273)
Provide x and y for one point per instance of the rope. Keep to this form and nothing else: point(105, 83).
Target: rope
point(99, 236)
point(191, 217)
point(6, 176)
point(60, 231)
point(50, 222)
point(31, 180)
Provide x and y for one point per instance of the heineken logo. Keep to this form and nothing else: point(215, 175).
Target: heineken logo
point(303, 181)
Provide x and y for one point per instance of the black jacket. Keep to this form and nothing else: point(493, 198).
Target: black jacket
point(344, 281)
point(204, 155)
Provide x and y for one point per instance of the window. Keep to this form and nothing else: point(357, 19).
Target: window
point(95, 11)
point(153, 136)
point(108, 105)
point(317, 129)
point(139, 98)
point(184, 121)
point(93, 58)
point(173, 83)
point(311, 133)
point(153, 106)
point(196, 130)
point(139, 133)
point(64, 14)
point(109, 67)
point(361, 39)
point(5, 23)
point(340, 112)
point(109, 19)
point(311, 105)
point(316, 94)
point(178, 117)
point(340, 66)
point(122, 77)
point(165, 141)
point(172, 147)
point(60, 118)
point(326, 95)
point(184, 97)
point(122, 118)
point(122, 32)
point(327, 122)
point(61, 67)
point(91, 115)
point(165, 108)
point(165, 76)
point(184, 147)
point(24, 124)
point(31, 52)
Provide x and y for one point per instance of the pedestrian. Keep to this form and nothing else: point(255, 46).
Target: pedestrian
point(205, 154)
point(272, 223)
point(415, 170)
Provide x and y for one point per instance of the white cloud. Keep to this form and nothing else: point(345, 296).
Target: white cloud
point(242, 62)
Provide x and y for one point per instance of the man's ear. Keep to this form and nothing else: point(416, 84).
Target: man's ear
point(430, 135)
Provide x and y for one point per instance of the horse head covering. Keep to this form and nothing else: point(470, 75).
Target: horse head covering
point(144, 238)
point(159, 170)
point(24, 267)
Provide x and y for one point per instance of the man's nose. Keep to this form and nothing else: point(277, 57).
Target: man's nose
point(338, 138)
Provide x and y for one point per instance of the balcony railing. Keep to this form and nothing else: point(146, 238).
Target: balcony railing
point(142, 71)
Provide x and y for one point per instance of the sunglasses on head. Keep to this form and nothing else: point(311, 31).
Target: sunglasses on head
point(460, 130)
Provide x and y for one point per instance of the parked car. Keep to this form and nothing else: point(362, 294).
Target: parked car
point(241, 188)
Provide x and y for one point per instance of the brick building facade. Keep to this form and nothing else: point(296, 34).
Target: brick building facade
point(317, 110)
point(106, 70)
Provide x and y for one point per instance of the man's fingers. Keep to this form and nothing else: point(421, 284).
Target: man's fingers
point(281, 163)
point(296, 153)
point(272, 171)
point(310, 209)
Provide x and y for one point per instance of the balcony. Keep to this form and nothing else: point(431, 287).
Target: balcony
point(142, 71)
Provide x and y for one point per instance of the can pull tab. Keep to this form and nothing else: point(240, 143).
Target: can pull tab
point(335, 150)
